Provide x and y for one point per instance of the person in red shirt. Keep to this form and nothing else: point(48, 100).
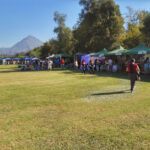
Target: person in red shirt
point(83, 64)
point(62, 63)
point(133, 70)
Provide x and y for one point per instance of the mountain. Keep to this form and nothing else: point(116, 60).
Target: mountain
point(23, 46)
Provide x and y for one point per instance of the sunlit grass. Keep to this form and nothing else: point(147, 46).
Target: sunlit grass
point(58, 110)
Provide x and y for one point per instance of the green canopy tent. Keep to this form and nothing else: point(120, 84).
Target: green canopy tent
point(117, 52)
point(139, 50)
point(62, 56)
point(118, 56)
point(101, 53)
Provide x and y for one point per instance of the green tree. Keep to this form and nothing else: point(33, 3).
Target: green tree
point(133, 36)
point(35, 52)
point(99, 26)
point(134, 22)
point(65, 40)
point(48, 48)
point(146, 30)
point(45, 50)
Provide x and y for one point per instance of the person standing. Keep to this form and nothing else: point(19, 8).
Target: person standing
point(146, 65)
point(83, 64)
point(58, 62)
point(91, 66)
point(50, 65)
point(134, 71)
point(62, 61)
point(36, 65)
point(97, 65)
point(110, 63)
point(76, 64)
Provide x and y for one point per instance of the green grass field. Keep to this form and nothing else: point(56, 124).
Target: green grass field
point(67, 110)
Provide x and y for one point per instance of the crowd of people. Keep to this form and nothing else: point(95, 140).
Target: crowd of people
point(110, 65)
point(98, 65)
point(47, 64)
point(36, 65)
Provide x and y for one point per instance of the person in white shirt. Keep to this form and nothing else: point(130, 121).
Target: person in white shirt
point(110, 64)
point(76, 64)
point(50, 64)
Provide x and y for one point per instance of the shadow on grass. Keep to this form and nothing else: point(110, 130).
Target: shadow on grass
point(111, 93)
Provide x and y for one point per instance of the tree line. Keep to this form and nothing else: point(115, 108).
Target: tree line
point(100, 25)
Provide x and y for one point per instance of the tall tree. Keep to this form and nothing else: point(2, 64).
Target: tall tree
point(132, 37)
point(135, 17)
point(48, 48)
point(146, 30)
point(134, 21)
point(100, 25)
point(64, 35)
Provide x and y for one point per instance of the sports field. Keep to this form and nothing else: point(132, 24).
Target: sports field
point(67, 110)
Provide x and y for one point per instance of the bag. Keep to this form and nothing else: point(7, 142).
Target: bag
point(127, 69)
point(138, 77)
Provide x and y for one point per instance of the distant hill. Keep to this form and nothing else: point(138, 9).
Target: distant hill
point(23, 46)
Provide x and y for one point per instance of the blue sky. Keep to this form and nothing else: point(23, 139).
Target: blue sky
point(20, 18)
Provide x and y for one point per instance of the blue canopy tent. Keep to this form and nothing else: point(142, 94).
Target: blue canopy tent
point(22, 59)
point(32, 57)
point(16, 59)
point(35, 58)
point(26, 58)
point(8, 59)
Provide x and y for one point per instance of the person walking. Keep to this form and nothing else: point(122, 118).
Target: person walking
point(134, 71)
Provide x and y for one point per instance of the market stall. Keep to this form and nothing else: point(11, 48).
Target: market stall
point(7, 61)
point(16, 60)
point(141, 54)
point(63, 60)
point(119, 58)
